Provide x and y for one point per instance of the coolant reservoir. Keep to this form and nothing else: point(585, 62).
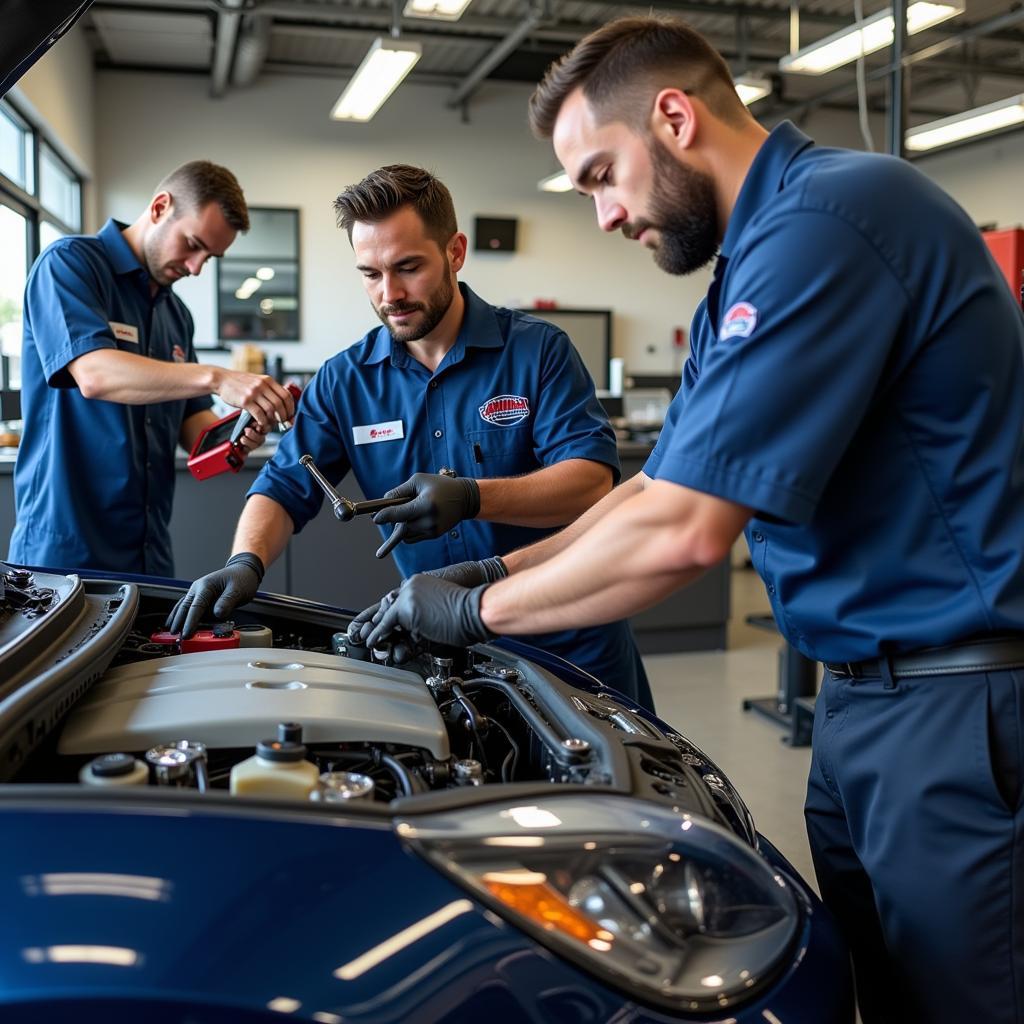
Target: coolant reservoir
point(279, 768)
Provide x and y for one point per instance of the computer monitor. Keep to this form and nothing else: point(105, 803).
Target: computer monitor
point(590, 330)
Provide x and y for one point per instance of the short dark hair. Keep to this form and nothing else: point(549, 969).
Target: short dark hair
point(195, 185)
point(386, 190)
point(622, 65)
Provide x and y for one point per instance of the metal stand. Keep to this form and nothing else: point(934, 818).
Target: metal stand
point(793, 705)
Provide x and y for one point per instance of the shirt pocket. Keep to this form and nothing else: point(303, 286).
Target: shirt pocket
point(501, 451)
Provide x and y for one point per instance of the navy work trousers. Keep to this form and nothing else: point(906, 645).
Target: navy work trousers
point(916, 827)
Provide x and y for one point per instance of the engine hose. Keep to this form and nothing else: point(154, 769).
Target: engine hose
point(407, 781)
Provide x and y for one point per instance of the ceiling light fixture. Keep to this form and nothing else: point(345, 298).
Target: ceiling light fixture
point(751, 88)
point(386, 63)
point(979, 121)
point(864, 37)
point(557, 182)
point(443, 10)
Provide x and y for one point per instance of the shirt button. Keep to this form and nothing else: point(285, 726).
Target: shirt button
point(454, 534)
point(758, 536)
point(433, 383)
point(149, 422)
point(438, 433)
point(770, 588)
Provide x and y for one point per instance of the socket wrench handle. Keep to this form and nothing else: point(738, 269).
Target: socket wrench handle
point(343, 509)
point(367, 508)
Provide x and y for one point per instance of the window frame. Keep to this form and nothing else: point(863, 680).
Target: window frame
point(29, 203)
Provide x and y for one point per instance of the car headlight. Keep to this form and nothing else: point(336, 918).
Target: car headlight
point(666, 905)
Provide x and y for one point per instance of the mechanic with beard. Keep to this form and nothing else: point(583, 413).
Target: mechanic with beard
point(449, 381)
point(854, 400)
point(110, 382)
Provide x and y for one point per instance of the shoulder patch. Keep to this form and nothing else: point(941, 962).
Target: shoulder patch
point(505, 410)
point(738, 322)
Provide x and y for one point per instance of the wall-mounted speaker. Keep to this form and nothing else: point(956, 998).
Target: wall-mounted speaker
point(494, 234)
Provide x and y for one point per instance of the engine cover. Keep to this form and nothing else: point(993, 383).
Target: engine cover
point(234, 698)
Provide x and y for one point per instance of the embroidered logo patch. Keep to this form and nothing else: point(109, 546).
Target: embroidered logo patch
point(738, 322)
point(178, 355)
point(505, 410)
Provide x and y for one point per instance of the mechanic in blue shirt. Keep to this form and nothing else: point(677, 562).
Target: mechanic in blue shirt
point(110, 382)
point(449, 382)
point(854, 400)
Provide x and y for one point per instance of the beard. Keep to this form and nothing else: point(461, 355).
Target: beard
point(684, 214)
point(431, 312)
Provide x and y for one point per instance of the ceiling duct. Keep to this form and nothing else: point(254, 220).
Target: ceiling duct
point(252, 49)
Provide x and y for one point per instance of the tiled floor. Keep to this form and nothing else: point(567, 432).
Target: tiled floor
point(701, 694)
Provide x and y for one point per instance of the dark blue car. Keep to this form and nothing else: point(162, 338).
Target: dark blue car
point(477, 835)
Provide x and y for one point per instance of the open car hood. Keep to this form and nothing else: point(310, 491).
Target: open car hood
point(30, 28)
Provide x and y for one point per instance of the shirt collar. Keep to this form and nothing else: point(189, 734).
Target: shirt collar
point(122, 259)
point(764, 179)
point(479, 329)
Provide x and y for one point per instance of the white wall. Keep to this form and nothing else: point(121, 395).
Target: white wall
point(276, 136)
point(59, 92)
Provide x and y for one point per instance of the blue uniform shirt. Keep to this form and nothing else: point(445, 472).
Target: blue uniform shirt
point(94, 480)
point(511, 396)
point(856, 378)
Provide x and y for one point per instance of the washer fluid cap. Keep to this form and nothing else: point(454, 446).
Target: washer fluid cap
point(280, 750)
point(109, 766)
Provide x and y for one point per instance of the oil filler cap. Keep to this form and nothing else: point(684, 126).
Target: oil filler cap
point(280, 750)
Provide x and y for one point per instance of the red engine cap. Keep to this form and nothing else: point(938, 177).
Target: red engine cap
point(162, 636)
point(210, 640)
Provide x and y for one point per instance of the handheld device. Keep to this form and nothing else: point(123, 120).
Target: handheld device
point(218, 448)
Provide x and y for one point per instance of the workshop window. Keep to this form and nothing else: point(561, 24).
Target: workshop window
point(40, 201)
point(258, 280)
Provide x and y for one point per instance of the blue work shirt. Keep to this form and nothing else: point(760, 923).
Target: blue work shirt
point(94, 480)
point(856, 378)
point(510, 397)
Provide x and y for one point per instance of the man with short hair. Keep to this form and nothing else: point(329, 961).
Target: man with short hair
point(498, 398)
point(110, 382)
point(854, 401)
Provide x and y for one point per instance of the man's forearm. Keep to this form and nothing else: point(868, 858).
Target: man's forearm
point(264, 528)
point(535, 554)
point(656, 541)
point(131, 379)
point(552, 496)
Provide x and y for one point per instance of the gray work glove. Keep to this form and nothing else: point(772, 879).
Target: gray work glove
point(221, 591)
point(438, 503)
point(464, 574)
point(426, 608)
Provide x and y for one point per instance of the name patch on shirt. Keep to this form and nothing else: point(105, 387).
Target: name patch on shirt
point(371, 433)
point(738, 322)
point(124, 332)
point(505, 410)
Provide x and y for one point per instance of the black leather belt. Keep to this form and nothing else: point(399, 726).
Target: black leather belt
point(982, 655)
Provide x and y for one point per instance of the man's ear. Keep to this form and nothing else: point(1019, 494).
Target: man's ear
point(161, 206)
point(674, 118)
point(457, 248)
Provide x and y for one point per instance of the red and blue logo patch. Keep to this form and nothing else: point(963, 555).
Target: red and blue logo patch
point(738, 322)
point(505, 410)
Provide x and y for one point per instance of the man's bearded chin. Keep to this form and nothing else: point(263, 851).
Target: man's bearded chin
point(684, 212)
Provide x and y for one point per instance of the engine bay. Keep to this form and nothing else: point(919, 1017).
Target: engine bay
point(283, 704)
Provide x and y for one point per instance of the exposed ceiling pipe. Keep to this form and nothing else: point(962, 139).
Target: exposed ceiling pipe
point(253, 47)
point(505, 48)
point(228, 20)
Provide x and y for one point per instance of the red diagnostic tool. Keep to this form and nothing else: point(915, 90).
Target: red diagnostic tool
point(218, 448)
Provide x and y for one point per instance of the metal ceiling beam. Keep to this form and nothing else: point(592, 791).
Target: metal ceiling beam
point(538, 12)
point(229, 18)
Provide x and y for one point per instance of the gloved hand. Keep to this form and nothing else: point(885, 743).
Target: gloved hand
point(222, 591)
point(438, 503)
point(464, 574)
point(428, 608)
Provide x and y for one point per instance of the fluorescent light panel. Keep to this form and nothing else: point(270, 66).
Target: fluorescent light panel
point(443, 10)
point(864, 37)
point(751, 88)
point(382, 70)
point(557, 182)
point(979, 121)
